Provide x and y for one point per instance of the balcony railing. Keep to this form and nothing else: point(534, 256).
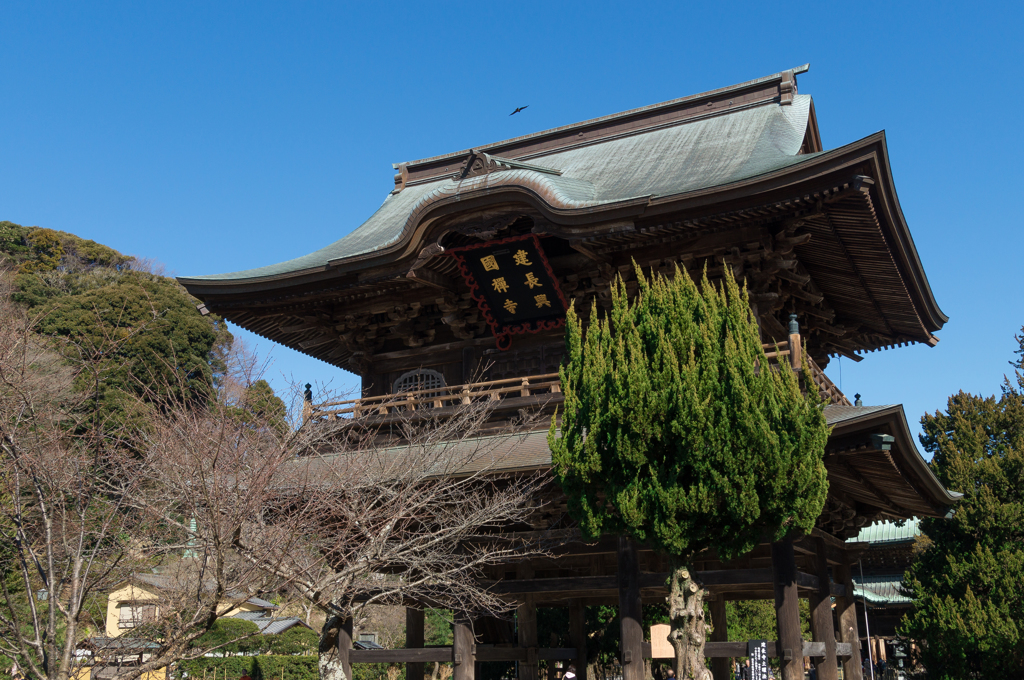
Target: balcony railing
point(438, 397)
point(546, 385)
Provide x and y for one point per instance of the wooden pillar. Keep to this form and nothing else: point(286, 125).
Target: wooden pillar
point(787, 610)
point(578, 636)
point(846, 614)
point(414, 640)
point(720, 666)
point(526, 617)
point(822, 628)
point(345, 646)
point(630, 611)
point(463, 649)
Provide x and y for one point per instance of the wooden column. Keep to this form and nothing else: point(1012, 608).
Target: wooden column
point(630, 611)
point(526, 618)
point(414, 640)
point(846, 614)
point(578, 636)
point(787, 610)
point(720, 666)
point(345, 646)
point(463, 649)
point(822, 628)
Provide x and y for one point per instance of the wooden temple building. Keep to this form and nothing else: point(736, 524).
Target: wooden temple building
point(458, 285)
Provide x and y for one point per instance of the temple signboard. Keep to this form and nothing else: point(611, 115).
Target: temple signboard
point(513, 285)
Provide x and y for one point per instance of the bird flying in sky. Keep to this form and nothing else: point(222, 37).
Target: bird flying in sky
point(519, 109)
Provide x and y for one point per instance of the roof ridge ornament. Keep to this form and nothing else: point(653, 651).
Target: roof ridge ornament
point(480, 163)
point(787, 87)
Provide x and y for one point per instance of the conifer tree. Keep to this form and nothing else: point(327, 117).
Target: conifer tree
point(967, 586)
point(675, 432)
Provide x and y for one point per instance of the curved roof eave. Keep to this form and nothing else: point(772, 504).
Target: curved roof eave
point(906, 451)
point(803, 168)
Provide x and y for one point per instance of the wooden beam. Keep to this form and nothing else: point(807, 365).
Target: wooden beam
point(630, 611)
point(719, 633)
point(821, 618)
point(738, 650)
point(846, 615)
point(578, 636)
point(463, 649)
point(526, 618)
point(414, 619)
point(344, 646)
point(408, 656)
point(719, 581)
point(787, 610)
point(428, 277)
point(521, 654)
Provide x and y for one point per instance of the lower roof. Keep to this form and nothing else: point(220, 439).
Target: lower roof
point(867, 465)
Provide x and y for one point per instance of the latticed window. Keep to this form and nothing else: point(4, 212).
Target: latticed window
point(420, 379)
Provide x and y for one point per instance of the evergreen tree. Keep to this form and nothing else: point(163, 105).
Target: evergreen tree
point(967, 586)
point(95, 301)
point(676, 433)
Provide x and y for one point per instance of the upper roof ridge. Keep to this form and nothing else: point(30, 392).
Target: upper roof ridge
point(778, 87)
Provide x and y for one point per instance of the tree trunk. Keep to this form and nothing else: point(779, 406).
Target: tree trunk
point(686, 613)
point(332, 658)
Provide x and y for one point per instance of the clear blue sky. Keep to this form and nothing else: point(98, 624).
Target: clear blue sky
point(222, 136)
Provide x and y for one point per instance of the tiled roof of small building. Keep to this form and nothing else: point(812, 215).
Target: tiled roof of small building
point(880, 590)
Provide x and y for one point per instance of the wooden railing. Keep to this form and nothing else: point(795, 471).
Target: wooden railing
point(530, 386)
point(438, 397)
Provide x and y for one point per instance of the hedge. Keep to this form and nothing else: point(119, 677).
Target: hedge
point(267, 667)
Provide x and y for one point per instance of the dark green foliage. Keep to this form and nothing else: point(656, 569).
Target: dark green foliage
point(437, 627)
point(670, 432)
point(140, 332)
point(232, 636)
point(297, 640)
point(260, 405)
point(144, 335)
point(13, 242)
point(45, 251)
point(42, 250)
point(237, 636)
point(256, 667)
point(967, 586)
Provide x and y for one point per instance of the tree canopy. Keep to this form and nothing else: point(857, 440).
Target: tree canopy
point(675, 434)
point(95, 301)
point(968, 599)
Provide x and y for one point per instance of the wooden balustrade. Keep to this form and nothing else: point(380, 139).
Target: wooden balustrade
point(530, 386)
point(439, 397)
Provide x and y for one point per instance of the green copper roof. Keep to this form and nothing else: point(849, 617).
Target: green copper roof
point(880, 590)
point(685, 156)
point(889, 532)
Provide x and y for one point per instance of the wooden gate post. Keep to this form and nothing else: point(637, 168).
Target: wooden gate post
point(630, 611)
point(578, 636)
point(720, 633)
point(345, 646)
point(463, 649)
point(822, 627)
point(526, 617)
point(846, 613)
point(787, 610)
point(414, 640)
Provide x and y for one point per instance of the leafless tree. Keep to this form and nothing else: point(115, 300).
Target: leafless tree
point(72, 486)
point(224, 505)
point(345, 516)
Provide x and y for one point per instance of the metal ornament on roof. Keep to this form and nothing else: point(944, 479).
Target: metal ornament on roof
point(514, 286)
